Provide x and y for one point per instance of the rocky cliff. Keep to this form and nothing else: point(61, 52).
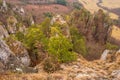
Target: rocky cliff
point(13, 55)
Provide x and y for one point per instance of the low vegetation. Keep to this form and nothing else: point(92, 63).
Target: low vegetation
point(62, 2)
point(111, 46)
point(61, 41)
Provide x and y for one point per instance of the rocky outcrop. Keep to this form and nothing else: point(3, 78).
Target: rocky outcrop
point(111, 56)
point(3, 32)
point(64, 28)
point(115, 75)
point(5, 52)
point(10, 61)
point(7, 58)
point(105, 54)
point(4, 6)
point(11, 24)
point(19, 51)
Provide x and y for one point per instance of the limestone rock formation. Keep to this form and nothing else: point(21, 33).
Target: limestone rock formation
point(5, 52)
point(11, 24)
point(10, 61)
point(64, 28)
point(7, 57)
point(3, 32)
point(19, 51)
point(116, 74)
point(4, 6)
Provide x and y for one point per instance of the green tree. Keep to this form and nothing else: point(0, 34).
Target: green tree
point(48, 14)
point(20, 36)
point(34, 34)
point(77, 5)
point(36, 43)
point(111, 46)
point(62, 2)
point(45, 27)
point(78, 41)
point(59, 46)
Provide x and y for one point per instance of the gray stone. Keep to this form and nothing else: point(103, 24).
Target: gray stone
point(3, 32)
point(115, 75)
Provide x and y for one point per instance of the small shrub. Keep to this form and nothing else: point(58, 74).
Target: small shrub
point(20, 36)
point(1, 23)
point(34, 34)
point(51, 65)
point(48, 14)
point(62, 2)
point(1, 2)
point(78, 40)
point(77, 5)
point(11, 20)
point(46, 27)
point(36, 43)
point(111, 46)
point(80, 47)
point(60, 47)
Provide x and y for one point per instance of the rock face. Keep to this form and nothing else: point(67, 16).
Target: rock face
point(7, 58)
point(65, 29)
point(12, 61)
point(6, 55)
point(4, 6)
point(5, 52)
point(104, 55)
point(20, 52)
point(3, 32)
point(13, 54)
point(116, 74)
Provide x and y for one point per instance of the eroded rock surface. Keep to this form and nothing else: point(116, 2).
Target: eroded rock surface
point(78, 70)
point(19, 51)
point(10, 61)
point(3, 32)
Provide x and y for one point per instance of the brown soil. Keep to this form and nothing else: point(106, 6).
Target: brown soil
point(39, 10)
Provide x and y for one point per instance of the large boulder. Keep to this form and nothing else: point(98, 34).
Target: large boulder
point(10, 61)
point(104, 55)
point(7, 58)
point(14, 26)
point(111, 56)
point(19, 51)
point(5, 52)
point(115, 75)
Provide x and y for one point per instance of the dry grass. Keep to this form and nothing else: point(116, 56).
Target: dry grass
point(110, 4)
point(116, 33)
point(39, 10)
point(90, 5)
